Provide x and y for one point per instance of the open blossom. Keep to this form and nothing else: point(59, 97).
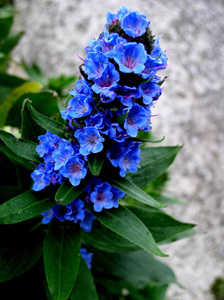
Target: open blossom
point(108, 107)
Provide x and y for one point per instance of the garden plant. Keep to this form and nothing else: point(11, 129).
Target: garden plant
point(82, 205)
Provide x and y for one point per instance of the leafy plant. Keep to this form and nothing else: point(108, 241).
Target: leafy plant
point(78, 220)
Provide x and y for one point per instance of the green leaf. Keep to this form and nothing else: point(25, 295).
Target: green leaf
point(84, 288)
point(107, 240)
point(45, 102)
point(137, 267)
point(67, 193)
point(123, 222)
point(156, 291)
point(9, 101)
point(61, 259)
point(29, 128)
point(20, 147)
point(45, 122)
point(11, 41)
point(161, 225)
point(34, 72)
point(6, 20)
point(16, 158)
point(95, 162)
point(23, 207)
point(19, 251)
point(134, 191)
point(166, 199)
point(155, 161)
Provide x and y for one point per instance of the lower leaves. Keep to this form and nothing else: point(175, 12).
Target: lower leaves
point(61, 253)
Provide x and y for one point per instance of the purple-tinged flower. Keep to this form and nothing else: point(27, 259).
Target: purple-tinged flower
point(130, 57)
point(135, 119)
point(82, 87)
point(62, 154)
point(40, 178)
point(134, 24)
point(74, 169)
point(90, 140)
point(149, 90)
point(130, 160)
point(107, 80)
point(115, 154)
point(79, 106)
point(95, 120)
point(126, 95)
point(57, 212)
point(123, 11)
point(48, 143)
point(95, 64)
point(86, 256)
point(116, 133)
point(75, 211)
point(106, 43)
point(86, 223)
point(102, 197)
point(91, 184)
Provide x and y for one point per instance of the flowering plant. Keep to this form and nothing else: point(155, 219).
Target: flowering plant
point(91, 187)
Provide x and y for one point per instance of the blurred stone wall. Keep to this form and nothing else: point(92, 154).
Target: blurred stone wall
point(191, 108)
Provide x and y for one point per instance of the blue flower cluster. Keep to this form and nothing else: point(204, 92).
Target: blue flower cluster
point(109, 105)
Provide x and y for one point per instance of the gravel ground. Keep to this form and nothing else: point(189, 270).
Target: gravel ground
point(191, 109)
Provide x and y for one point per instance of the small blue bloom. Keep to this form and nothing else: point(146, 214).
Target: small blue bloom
point(79, 106)
point(86, 223)
point(86, 256)
point(74, 169)
point(149, 90)
point(123, 11)
point(75, 211)
point(134, 24)
point(95, 120)
point(95, 64)
point(48, 143)
point(107, 80)
point(102, 197)
point(115, 154)
point(116, 133)
point(130, 160)
point(130, 57)
point(135, 119)
point(82, 87)
point(40, 178)
point(90, 140)
point(126, 95)
point(62, 154)
point(57, 212)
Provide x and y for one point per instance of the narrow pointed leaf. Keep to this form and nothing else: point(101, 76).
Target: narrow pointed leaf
point(138, 267)
point(20, 147)
point(9, 101)
point(135, 192)
point(67, 193)
point(16, 158)
point(95, 162)
point(123, 222)
point(155, 162)
point(23, 207)
point(61, 259)
point(161, 225)
point(84, 288)
point(46, 122)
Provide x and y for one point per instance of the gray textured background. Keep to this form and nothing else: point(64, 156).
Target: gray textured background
point(191, 108)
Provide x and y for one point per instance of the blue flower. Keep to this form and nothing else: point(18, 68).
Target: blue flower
point(95, 120)
point(135, 119)
point(86, 223)
point(115, 154)
point(48, 143)
point(56, 212)
point(103, 197)
point(62, 154)
point(90, 140)
point(74, 169)
point(149, 90)
point(82, 87)
point(123, 11)
point(126, 95)
point(75, 211)
point(130, 57)
point(116, 133)
point(107, 80)
point(86, 256)
point(95, 64)
point(130, 160)
point(134, 24)
point(79, 106)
